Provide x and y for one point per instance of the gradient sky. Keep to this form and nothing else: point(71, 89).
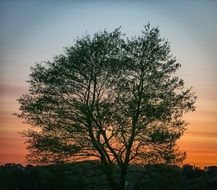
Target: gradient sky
point(35, 31)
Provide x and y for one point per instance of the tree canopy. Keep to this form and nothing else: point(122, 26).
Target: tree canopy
point(110, 98)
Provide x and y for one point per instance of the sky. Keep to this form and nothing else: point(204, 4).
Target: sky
point(36, 31)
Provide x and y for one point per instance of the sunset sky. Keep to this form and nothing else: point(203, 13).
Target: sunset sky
point(35, 31)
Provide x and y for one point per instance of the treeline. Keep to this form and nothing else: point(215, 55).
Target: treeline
point(88, 176)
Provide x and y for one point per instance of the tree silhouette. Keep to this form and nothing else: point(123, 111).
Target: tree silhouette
point(109, 98)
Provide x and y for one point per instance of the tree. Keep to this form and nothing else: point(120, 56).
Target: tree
point(109, 98)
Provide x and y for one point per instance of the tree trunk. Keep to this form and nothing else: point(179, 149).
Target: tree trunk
point(113, 183)
point(123, 179)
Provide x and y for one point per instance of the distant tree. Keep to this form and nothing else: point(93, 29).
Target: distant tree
point(191, 172)
point(211, 170)
point(109, 98)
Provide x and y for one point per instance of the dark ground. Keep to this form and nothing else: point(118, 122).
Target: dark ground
point(88, 176)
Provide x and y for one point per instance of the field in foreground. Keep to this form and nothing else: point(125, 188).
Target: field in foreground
point(88, 176)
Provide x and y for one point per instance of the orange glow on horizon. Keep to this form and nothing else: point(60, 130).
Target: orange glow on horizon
point(198, 142)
